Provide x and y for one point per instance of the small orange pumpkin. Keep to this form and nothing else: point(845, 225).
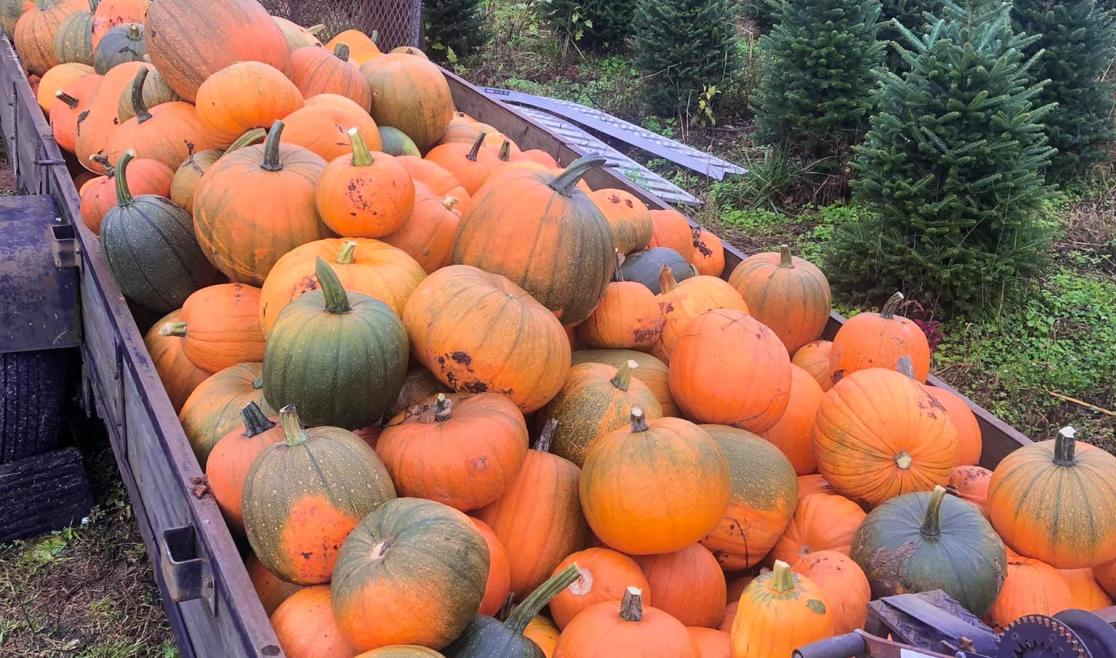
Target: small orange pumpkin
point(969, 444)
point(365, 195)
point(682, 302)
point(498, 586)
point(793, 433)
point(323, 125)
point(434, 176)
point(305, 626)
point(629, 220)
point(879, 340)
point(688, 584)
point(813, 357)
point(220, 325)
point(362, 48)
point(68, 107)
point(638, 630)
point(671, 229)
point(628, 316)
point(821, 522)
point(844, 584)
point(232, 457)
point(179, 376)
point(708, 257)
point(315, 70)
point(58, 78)
point(271, 590)
point(243, 96)
point(604, 575)
point(779, 612)
point(788, 294)
point(99, 195)
point(970, 483)
point(428, 234)
point(470, 164)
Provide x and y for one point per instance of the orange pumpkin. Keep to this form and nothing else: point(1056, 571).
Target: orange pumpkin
point(793, 432)
point(879, 340)
point(544, 633)
point(256, 204)
point(762, 497)
point(271, 590)
point(428, 234)
point(969, 443)
point(811, 484)
point(708, 257)
point(729, 616)
point(604, 576)
point(879, 434)
point(628, 218)
point(736, 587)
point(459, 450)
point(70, 103)
point(1031, 587)
point(671, 229)
point(433, 176)
point(305, 626)
point(33, 36)
point(411, 94)
point(362, 49)
point(651, 371)
point(221, 326)
point(99, 118)
point(844, 585)
point(821, 522)
point(498, 586)
point(99, 196)
point(541, 157)
point(323, 125)
point(298, 36)
point(366, 266)
point(654, 487)
point(232, 457)
point(466, 324)
point(58, 78)
point(466, 131)
point(213, 409)
point(688, 584)
point(813, 357)
point(779, 612)
point(711, 642)
point(111, 13)
point(1106, 577)
point(788, 294)
point(971, 483)
point(470, 164)
point(234, 31)
point(1087, 594)
point(638, 630)
point(316, 70)
point(682, 303)
point(628, 316)
point(193, 169)
point(243, 96)
point(179, 376)
point(362, 195)
point(709, 371)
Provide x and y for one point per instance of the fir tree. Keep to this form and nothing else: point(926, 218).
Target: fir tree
point(1078, 41)
point(915, 15)
point(683, 48)
point(453, 28)
point(816, 93)
point(597, 25)
point(952, 167)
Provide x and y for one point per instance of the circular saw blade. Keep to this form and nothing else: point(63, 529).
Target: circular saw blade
point(1039, 636)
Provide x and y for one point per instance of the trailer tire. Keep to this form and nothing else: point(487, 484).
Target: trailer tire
point(32, 392)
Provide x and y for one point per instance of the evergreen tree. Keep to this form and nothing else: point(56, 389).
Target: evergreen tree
point(597, 25)
point(453, 28)
point(1078, 42)
point(915, 15)
point(816, 93)
point(763, 13)
point(683, 48)
point(952, 167)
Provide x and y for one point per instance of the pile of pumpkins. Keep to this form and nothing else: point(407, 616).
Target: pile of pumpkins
point(441, 387)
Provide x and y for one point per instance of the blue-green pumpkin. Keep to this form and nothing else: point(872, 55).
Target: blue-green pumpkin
point(123, 43)
point(396, 142)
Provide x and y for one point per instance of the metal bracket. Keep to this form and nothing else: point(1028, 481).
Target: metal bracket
point(187, 573)
point(64, 246)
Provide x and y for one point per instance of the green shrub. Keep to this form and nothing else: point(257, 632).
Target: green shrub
point(453, 28)
point(596, 25)
point(1077, 40)
point(952, 166)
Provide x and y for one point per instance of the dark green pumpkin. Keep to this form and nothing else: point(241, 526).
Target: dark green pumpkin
point(487, 637)
point(304, 496)
point(151, 249)
point(122, 44)
point(928, 540)
point(73, 41)
point(10, 12)
point(396, 142)
point(340, 357)
point(644, 267)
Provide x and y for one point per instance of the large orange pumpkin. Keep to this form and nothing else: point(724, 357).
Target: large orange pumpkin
point(793, 433)
point(651, 371)
point(1031, 587)
point(969, 444)
point(70, 103)
point(627, 628)
point(708, 257)
point(179, 376)
point(366, 266)
point(879, 434)
point(243, 96)
point(459, 450)
point(365, 195)
point(813, 357)
point(428, 234)
point(712, 371)
point(654, 487)
point(628, 316)
point(323, 125)
point(628, 219)
point(711, 642)
point(604, 576)
point(271, 590)
point(99, 119)
point(672, 230)
point(688, 584)
point(879, 340)
point(779, 612)
point(305, 626)
point(821, 522)
point(233, 30)
point(256, 204)
point(99, 195)
point(34, 33)
point(220, 325)
point(466, 325)
point(786, 293)
point(213, 409)
point(232, 457)
point(763, 492)
point(1086, 592)
point(970, 483)
point(844, 584)
point(316, 70)
point(683, 302)
point(498, 585)
point(1053, 501)
point(411, 94)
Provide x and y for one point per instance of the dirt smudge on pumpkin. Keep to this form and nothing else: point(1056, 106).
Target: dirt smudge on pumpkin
point(886, 567)
point(463, 358)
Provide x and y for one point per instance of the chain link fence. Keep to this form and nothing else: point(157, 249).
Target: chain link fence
point(398, 22)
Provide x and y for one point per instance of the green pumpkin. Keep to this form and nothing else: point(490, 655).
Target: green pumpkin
point(487, 637)
point(73, 41)
point(156, 91)
point(396, 142)
point(340, 357)
point(303, 496)
point(644, 267)
point(925, 541)
point(122, 44)
point(151, 249)
point(10, 13)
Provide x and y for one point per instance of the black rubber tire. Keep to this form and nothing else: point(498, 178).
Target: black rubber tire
point(32, 393)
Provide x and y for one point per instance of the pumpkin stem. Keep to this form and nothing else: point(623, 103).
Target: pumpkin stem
point(546, 437)
point(785, 258)
point(891, 306)
point(336, 300)
point(443, 408)
point(782, 579)
point(257, 383)
point(375, 37)
point(123, 195)
point(253, 136)
point(362, 157)
point(903, 460)
point(93, 4)
point(619, 273)
point(931, 526)
point(135, 32)
point(667, 282)
point(347, 255)
point(449, 202)
point(477, 144)
point(623, 378)
point(639, 420)
point(631, 608)
point(271, 160)
point(255, 421)
point(66, 98)
point(103, 160)
point(316, 29)
point(177, 329)
point(564, 183)
point(905, 366)
point(341, 52)
point(505, 151)
point(142, 113)
point(538, 599)
point(1064, 447)
point(292, 426)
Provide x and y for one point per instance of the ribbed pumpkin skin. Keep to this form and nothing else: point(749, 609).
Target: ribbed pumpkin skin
point(316, 70)
point(223, 327)
point(169, 135)
point(179, 376)
point(628, 219)
point(462, 451)
point(322, 126)
point(651, 371)
point(844, 584)
point(305, 627)
point(361, 47)
point(644, 267)
point(1059, 512)
point(123, 43)
point(684, 302)
point(99, 196)
point(228, 465)
point(465, 325)
point(628, 316)
point(591, 405)
point(296, 35)
point(708, 257)
point(654, 487)
point(709, 371)
point(412, 572)
point(73, 40)
point(555, 244)
point(271, 590)
point(428, 235)
point(600, 632)
point(34, 32)
point(879, 434)
point(964, 557)
point(498, 585)
point(1087, 593)
point(234, 31)
point(301, 500)
point(711, 642)
point(969, 443)
point(688, 585)
point(243, 96)
point(774, 619)
point(605, 574)
point(970, 483)
point(821, 522)
point(99, 119)
point(411, 94)
point(671, 229)
point(813, 357)
point(788, 294)
point(763, 493)
point(1031, 587)
point(213, 409)
point(793, 433)
point(879, 340)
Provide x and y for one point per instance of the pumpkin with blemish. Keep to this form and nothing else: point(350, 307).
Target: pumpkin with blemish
point(672, 230)
point(323, 125)
point(316, 70)
point(112, 13)
point(365, 195)
point(603, 575)
point(708, 257)
point(813, 357)
point(688, 584)
point(303, 496)
point(411, 94)
point(970, 483)
point(844, 584)
point(793, 433)
point(71, 103)
point(418, 387)
point(243, 96)
point(177, 373)
point(231, 459)
point(812, 484)
point(305, 627)
point(213, 409)
point(100, 117)
point(123, 43)
point(879, 340)
point(821, 522)
point(683, 302)
point(779, 612)
point(628, 316)
point(99, 196)
point(788, 294)
point(628, 219)
point(271, 590)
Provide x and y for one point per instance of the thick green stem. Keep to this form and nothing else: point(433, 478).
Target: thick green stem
point(667, 282)
point(292, 426)
point(785, 258)
point(1064, 447)
point(341, 52)
point(546, 437)
point(362, 157)
point(782, 580)
point(255, 421)
point(443, 408)
point(538, 599)
point(123, 194)
point(565, 182)
point(891, 306)
point(93, 4)
point(69, 100)
point(253, 136)
point(477, 144)
point(177, 329)
point(639, 420)
point(336, 300)
point(271, 160)
point(623, 378)
point(347, 255)
point(143, 115)
point(631, 607)
point(931, 525)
